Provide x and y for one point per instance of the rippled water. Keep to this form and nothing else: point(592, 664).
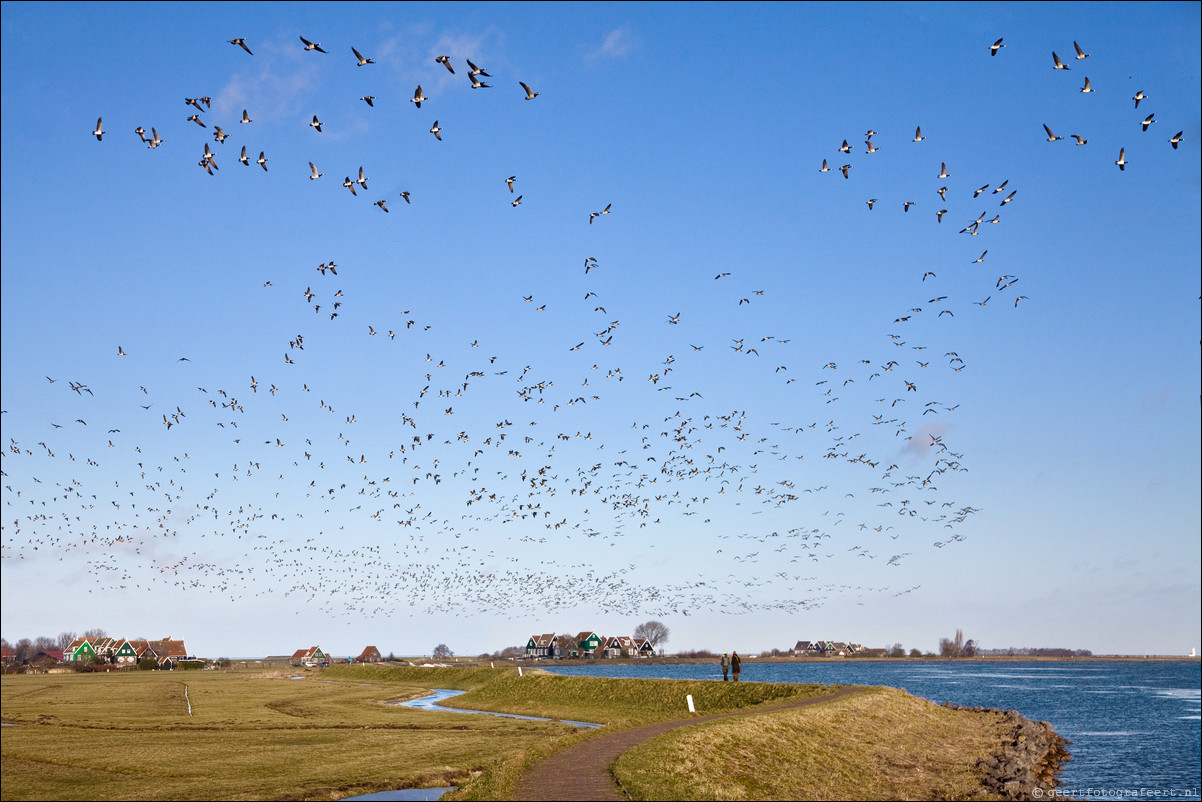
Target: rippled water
point(1135, 726)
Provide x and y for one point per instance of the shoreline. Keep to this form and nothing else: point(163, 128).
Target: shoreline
point(669, 660)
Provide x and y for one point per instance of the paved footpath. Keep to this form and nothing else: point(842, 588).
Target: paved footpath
point(585, 771)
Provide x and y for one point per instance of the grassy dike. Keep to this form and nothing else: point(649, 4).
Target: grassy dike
point(880, 743)
point(261, 735)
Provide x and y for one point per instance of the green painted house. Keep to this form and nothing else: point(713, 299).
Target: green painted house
point(80, 649)
point(587, 644)
point(313, 654)
point(125, 654)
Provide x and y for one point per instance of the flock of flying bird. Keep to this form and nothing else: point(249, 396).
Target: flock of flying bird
point(511, 520)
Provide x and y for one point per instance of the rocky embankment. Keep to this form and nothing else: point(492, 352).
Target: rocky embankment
point(1029, 764)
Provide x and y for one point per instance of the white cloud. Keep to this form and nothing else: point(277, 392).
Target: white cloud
point(615, 44)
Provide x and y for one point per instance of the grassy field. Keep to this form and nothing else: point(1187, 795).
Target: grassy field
point(250, 736)
point(612, 702)
point(877, 744)
point(334, 733)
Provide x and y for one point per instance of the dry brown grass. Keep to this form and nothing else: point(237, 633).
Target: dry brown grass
point(878, 744)
point(128, 736)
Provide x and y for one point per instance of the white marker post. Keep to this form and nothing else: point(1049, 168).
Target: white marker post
point(519, 671)
point(689, 699)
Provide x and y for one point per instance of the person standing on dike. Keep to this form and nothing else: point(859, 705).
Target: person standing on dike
point(735, 663)
point(725, 666)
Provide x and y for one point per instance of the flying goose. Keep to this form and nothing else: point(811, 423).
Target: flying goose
point(1148, 121)
point(1122, 161)
point(316, 124)
point(918, 137)
point(245, 118)
point(1051, 137)
point(362, 61)
point(1058, 64)
point(446, 62)
point(311, 46)
point(99, 132)
point(418, 97)
point(1087, 88)
point(530, 94)
point(476, 70)
point(995, 47)
point(1080, 53)
point(436, 131)
point(315, 175)
point(240, 42)
point(261, 161)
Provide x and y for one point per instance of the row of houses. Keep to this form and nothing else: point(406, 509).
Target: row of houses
point(827, 648)
point(586, 645)
point(316, 656)
point(166, 652)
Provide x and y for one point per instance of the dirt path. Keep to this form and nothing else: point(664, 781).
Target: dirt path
point(585, 771)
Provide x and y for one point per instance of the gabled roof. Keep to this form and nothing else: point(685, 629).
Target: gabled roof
point(621, 642)
point(543, 641)
point(168, 648)
point(369, 653)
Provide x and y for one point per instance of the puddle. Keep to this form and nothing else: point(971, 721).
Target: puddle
point(432, 701)
point(403, 795)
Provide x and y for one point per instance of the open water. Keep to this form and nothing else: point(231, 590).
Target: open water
point(1135, 726)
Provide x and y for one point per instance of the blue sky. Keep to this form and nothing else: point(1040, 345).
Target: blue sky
point(703, 414)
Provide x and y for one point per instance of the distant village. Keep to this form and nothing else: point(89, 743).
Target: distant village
point(106, 653)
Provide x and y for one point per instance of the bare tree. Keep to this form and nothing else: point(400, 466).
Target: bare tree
point(954, 647)
point(23, 650)
point(93, 634)
point(441, 652)
point(653, 632)
point(65, 639)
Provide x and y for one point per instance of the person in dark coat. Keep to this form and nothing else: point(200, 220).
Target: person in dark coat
point(725, 666)
point(735, 663)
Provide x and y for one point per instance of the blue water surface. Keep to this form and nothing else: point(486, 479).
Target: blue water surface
point(1135, 726)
